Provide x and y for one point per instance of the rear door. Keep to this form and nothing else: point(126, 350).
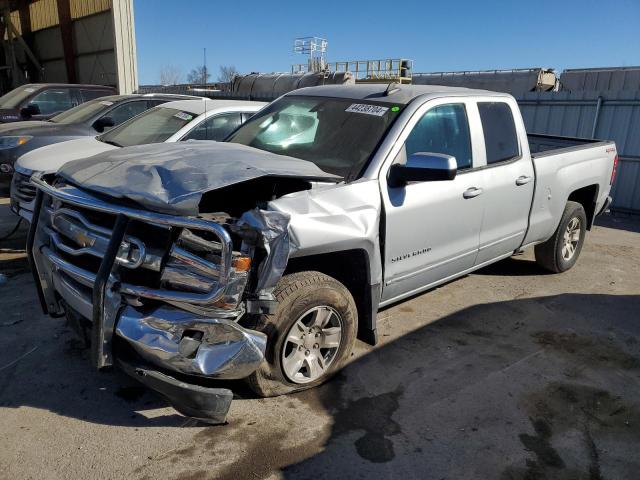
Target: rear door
point(431, 229)
point(508, 180)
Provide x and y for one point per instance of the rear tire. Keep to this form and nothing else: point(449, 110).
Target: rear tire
point(561, 251)
point(310, 336)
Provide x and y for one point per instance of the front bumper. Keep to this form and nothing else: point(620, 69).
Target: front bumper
point(22, 195)
point(168, 339)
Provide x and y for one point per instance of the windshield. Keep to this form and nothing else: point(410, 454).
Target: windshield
point(16, 96)
point(338, 135)
point(153, 126)
point(82, 112)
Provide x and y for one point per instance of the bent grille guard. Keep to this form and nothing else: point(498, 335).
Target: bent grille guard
point(29, 247)
point(104, 320)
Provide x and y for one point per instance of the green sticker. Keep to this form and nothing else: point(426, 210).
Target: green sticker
point(395, 109)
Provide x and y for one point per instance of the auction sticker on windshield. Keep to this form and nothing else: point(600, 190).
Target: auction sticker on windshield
point(183, 116)
point(376, 110)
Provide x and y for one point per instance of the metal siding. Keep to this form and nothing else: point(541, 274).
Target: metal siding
point(44, 14)
point(616, 78)
point(83, 8)
point(572, 114)
point(93, 34)
point(125, 46)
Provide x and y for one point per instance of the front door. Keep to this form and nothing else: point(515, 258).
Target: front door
point(432, 228)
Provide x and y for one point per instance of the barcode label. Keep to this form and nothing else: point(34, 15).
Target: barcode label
point(376, 110)
point(183, 116)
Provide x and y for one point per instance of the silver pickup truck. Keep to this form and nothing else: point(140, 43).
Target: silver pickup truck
point(264, 257)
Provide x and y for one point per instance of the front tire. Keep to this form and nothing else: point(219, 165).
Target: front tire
point(561, 251)
point(310, 336)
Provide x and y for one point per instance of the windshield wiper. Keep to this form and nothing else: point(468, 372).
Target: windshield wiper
point(110, 142)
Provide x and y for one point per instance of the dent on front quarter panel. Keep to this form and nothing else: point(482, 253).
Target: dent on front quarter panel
point(336, 218)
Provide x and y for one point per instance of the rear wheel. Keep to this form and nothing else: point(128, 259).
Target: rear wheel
point(310, 336)
point(561, 251)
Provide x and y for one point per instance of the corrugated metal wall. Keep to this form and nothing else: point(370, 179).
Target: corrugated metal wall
point(103, 43)
point(615, 78)
point(83, 8)
point(44, 14)
point(574, 114)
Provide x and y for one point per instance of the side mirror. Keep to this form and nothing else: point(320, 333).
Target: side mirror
point(423, 167)
point(102, 123)
point(30, 110)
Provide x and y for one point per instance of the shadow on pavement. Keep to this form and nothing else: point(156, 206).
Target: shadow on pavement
point(526, 389)
point(541, 388)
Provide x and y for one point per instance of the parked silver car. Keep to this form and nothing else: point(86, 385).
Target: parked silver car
point(200, 119)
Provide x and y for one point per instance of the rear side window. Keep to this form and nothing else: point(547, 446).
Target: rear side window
point(500, 138)
point(124, 112)
point(443, 129)
point(90, 94)
point(216, 128)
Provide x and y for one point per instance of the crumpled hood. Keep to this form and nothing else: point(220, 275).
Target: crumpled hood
point(172, 177)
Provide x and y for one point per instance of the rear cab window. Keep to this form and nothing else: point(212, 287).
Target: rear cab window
point(500, 136)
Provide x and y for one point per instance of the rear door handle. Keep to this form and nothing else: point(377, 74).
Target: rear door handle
point(523, 180)
point(472, 192)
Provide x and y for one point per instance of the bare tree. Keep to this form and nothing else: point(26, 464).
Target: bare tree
point(198, 75)
point(170, 75)
point(227, 73)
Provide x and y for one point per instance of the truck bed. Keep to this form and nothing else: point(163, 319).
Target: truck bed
point(562, 165)
point(541, 145)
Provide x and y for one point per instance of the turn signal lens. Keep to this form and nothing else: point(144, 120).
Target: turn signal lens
point(242, 264)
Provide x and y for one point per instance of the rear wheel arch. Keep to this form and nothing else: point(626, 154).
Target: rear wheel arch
point(587, 197)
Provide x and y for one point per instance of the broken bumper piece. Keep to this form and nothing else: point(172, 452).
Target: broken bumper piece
point(176, 340)
point(209, 405)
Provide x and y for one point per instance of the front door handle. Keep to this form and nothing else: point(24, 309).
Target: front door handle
point(472, 192)
point(523, 180)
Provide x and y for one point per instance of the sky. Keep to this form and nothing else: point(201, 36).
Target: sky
point(257, 36)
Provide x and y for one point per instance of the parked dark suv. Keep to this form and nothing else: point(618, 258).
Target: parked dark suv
point(41, 101)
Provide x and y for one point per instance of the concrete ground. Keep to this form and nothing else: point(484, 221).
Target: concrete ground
point(509, 373)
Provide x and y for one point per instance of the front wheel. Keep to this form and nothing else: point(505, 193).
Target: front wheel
point(310, 336)
point(561, 251)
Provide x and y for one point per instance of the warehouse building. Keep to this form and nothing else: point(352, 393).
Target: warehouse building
point(68, 41)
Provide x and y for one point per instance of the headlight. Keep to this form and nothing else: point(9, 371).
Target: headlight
point(14, 141)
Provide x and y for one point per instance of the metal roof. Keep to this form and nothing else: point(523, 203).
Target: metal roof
point(399, 93)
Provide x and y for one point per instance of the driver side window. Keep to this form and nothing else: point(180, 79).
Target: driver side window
point(53, 101)
point(443, 129)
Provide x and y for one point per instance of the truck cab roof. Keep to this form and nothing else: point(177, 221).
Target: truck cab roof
point(397, 93)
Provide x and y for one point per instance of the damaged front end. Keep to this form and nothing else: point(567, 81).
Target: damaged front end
point(162, 294)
